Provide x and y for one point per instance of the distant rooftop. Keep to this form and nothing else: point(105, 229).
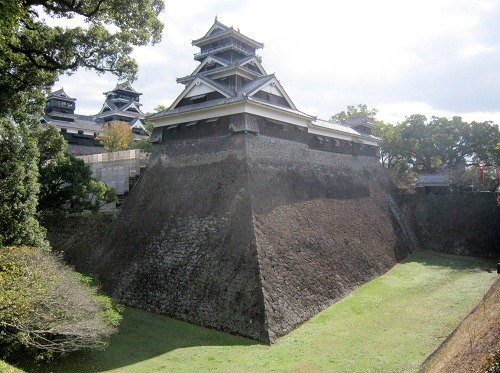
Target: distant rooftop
point(432, 179)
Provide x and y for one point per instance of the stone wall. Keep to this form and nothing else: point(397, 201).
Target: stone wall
point(465, 224)
point(254, 235)
point(323, 226)
point(183, 244)
point(248, 234)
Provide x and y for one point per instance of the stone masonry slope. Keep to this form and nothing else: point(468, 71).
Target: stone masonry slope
point(323, 226)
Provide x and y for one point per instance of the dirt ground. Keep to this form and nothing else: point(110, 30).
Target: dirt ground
point(474, 343)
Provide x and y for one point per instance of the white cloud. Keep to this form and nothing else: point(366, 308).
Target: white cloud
point(438, 56)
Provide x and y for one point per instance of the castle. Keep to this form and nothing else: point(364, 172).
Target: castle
point(81, 131)
point(251, 216)
point(230, 92)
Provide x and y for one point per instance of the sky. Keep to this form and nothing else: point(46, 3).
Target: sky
point(431, 57)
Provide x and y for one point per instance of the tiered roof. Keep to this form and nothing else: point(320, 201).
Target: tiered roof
point(221, 38)
point(73, 122)
point(60, 94)
point(230, 79)
point(122, 103)
point(60, 102)
point(227, 77)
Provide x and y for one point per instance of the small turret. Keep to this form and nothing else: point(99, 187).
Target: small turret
point(60, 102)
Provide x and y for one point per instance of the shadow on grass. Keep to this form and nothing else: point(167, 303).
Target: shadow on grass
point(144, 335)
point(455, 262)
point(141, 336)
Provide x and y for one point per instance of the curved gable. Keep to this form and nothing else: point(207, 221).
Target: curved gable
point(199, 90)
point(273, 92)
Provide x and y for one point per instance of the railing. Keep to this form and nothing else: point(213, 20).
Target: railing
point(222, 47)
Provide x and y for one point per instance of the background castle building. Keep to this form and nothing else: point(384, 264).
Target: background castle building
point(122, 104)
point(81, 131)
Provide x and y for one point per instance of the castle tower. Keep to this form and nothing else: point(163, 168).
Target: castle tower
point(251, 216)
point(230, 76)
point(122, 104)
point(230, 92)
point(60, 102)
point(80, 131)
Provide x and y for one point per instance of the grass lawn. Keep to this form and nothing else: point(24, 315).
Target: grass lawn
point(390, 324)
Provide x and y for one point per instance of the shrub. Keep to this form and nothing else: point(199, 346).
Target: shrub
point(48, 307)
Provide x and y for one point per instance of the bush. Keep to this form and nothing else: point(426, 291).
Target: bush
point(49, 308)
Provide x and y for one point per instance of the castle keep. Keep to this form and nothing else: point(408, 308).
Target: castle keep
point(230, 92)
point(251, 216)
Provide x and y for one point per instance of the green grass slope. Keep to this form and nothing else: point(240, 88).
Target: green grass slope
point(388, 325)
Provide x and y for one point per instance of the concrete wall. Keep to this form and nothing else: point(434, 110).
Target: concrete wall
point(116, 168)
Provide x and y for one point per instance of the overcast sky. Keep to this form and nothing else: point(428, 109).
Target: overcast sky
point(432, 57)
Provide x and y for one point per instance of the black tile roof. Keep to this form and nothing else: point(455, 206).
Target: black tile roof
point(202, 105)
point(432, 179)
point(76, 121)
point(359, 120)
point(60, 93)
point(254, 84)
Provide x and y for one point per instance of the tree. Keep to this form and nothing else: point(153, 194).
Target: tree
point(19, 186)
point(45, 306)
point(354, 110)
point(33, 53)
point(144, 145)
point(66, 181)
point(481, 141)
point(422, 145)
point(391, 146)
point(117, 136)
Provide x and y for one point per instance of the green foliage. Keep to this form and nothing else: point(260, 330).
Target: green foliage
point(388, 325)
point(352, 111)
point(143, 144)
point(493, 364)
point(19, 186)
point(32, 55)
point(422, 145)
point(46, 307)
point(42, 303)
point(66, 181)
